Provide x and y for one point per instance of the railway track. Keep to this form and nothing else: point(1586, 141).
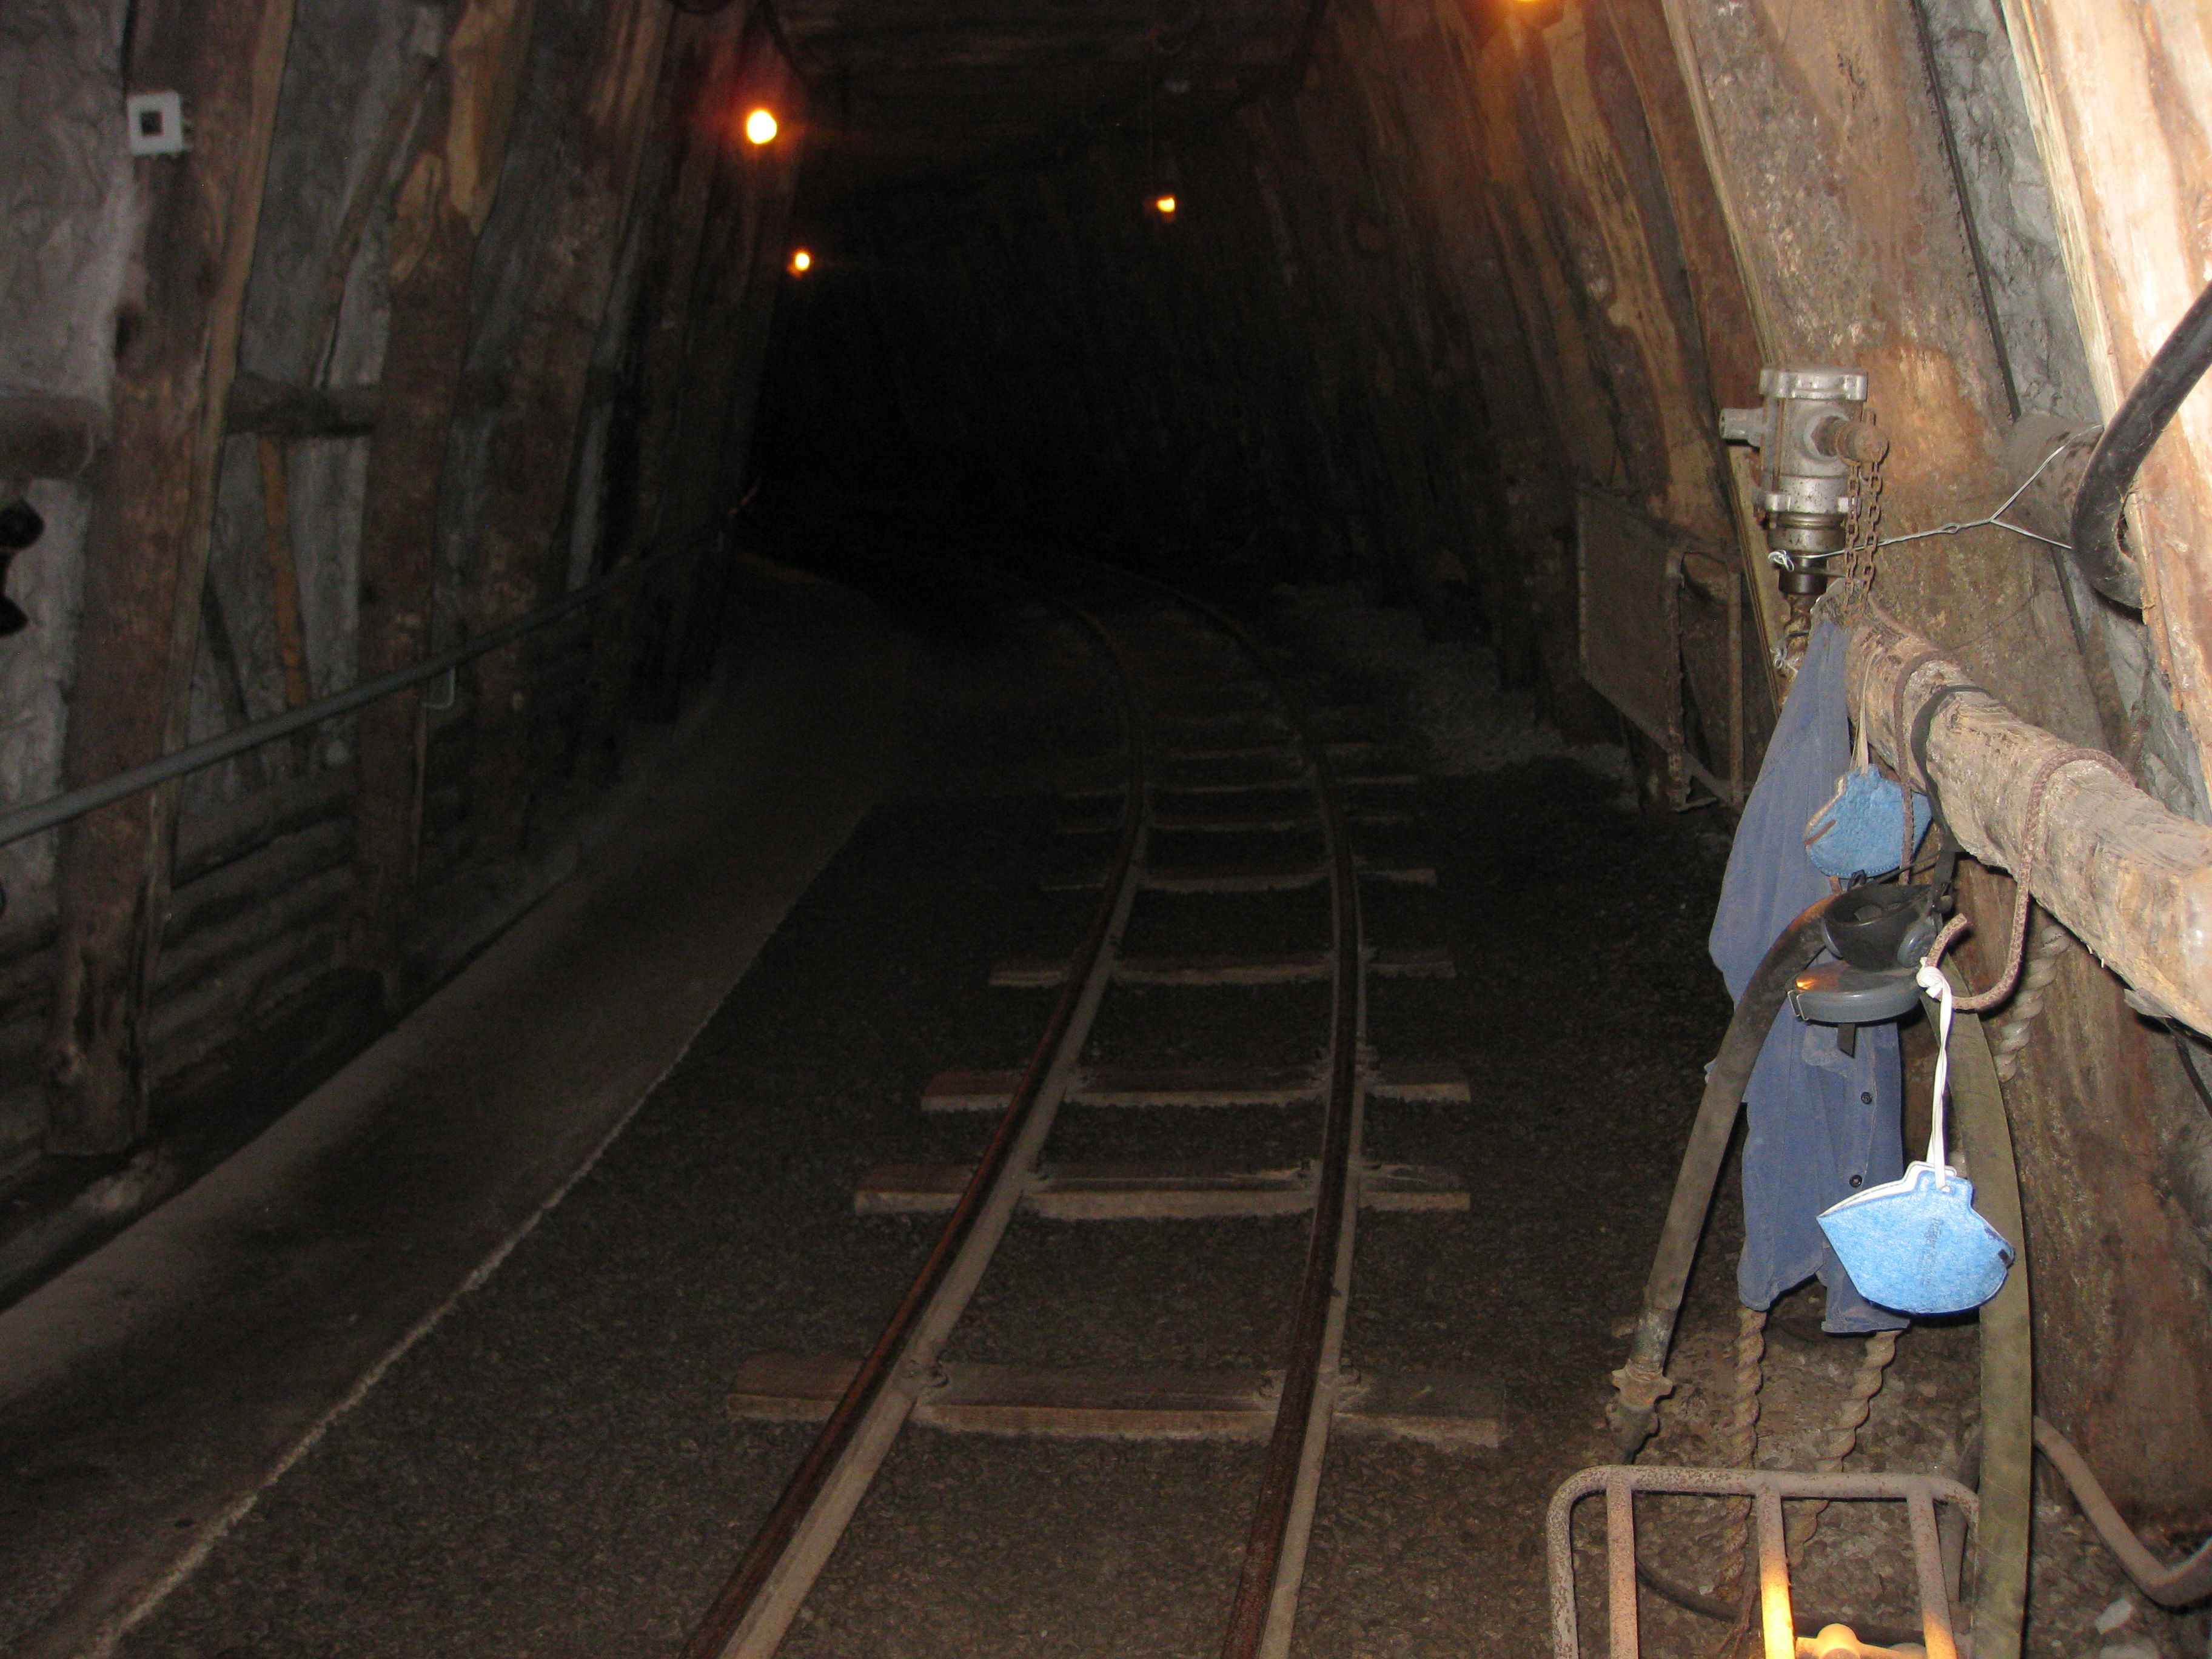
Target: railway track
point(1215, 744)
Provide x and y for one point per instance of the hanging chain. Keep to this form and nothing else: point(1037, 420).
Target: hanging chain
point(1862, 538)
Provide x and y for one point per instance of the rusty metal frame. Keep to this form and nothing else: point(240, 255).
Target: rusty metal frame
point(1767, 1488)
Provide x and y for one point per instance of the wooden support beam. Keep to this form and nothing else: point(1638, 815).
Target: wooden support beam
point(1291, 967)
point(1245, 879)
point(1145, 1192)
point(444, 200)
point(146, 549)
point(702, 69)
point(2093, 1106)
point(1438, 1083)
point(43, 437)
point(291, 412)
point(517, 565)
point(739, 281)
point(283, 570)
point(2131, 880)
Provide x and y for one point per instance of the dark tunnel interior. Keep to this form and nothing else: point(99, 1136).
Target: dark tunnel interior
point(1086, 773)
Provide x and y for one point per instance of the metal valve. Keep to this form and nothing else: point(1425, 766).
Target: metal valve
point(1809, 432)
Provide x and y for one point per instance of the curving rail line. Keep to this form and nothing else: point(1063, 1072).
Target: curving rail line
point(761, 1596)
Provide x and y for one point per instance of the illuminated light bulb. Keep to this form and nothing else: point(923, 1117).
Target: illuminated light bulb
point(1165, 206)
point(760, 126)
point(801, 262)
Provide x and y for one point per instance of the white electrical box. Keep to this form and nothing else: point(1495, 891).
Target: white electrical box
point(156, 122)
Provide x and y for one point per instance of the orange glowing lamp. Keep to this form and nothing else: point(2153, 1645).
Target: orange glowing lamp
point(1165, 206)
point(801, 262)
point(760, 126)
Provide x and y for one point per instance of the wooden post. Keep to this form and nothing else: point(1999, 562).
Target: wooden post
point(145, 553)
point(283, 570)
point(702, 72)
point(534, 442)
point(717, 377)
point(445, 198)
point(728, 379)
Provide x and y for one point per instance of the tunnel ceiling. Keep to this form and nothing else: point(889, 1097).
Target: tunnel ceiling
point(927, 86)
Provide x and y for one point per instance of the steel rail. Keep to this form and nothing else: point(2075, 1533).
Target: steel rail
point(55, 810)
point(761, 1597)
point(1263, 1613)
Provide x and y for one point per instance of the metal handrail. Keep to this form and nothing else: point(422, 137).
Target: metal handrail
point(76, 803)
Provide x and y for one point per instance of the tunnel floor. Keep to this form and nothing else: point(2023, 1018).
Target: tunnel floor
point(554, 1469)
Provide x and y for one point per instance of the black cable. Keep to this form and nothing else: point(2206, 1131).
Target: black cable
point(2135, 426)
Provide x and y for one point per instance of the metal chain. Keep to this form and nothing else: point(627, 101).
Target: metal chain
point(1862, 538)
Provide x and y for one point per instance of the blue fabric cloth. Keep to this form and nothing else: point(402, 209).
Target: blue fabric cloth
point(1822, 1124)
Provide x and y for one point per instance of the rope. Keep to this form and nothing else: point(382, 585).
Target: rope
point(2051, 944)
point(2038, 795)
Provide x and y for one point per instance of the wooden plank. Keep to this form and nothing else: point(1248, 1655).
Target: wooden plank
point(702, 69)
point(283, 571)
point(1142, 1192)
point(1117, 1405)
point(444, 200)
point(1442, 1083)
point(1303, 967)
point(517, 564)
point(287, 413)
point(1076, 785)
point(1195, 754)
point(1451, 1411)
point(1245, 879)
point(2131, 880)
point(146, 547)
point(1412, 962)
point(1432, 1082)
point(48, 437)
point(1253, 721)
point(1255, 822)
point(1442, 1409)
point(1193, 1085)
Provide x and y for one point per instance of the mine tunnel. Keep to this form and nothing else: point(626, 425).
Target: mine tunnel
point(1105, 827)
